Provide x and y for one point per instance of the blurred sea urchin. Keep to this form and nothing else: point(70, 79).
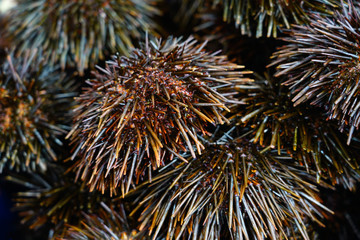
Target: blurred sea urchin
point(52, 201)
point(79, 32)
point(34, 104)
point(260, 17)
point(107, 223)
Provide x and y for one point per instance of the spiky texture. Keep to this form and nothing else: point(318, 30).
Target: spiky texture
point(107, 223)
point(79, 32)
point(34, 100)
point(302, 131)
point(141, 111)
point(262, 17)
point(53, 200)
point(321, 65)
point(232, 191)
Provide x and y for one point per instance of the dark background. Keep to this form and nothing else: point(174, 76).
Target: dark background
point(343, 225)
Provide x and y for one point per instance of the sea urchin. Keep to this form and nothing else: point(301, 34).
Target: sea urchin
point(232, 191)
point(145, 106)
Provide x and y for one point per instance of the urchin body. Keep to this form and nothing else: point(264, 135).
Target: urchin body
point(141, 111)
point(231, 191)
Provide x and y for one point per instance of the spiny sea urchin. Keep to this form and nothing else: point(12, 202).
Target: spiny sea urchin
point(232, 191)
point(321, 65)
point(262, 17)
point(34, 100)
point(52, 201)
point(302, 131)
point(142, 110)
point(79, 32)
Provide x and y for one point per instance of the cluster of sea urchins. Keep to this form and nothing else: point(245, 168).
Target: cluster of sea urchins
point(321, 63)
point(79, 32)
point(147, 123)
point(232, 191)
point(34, 101)
point(141, 111)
